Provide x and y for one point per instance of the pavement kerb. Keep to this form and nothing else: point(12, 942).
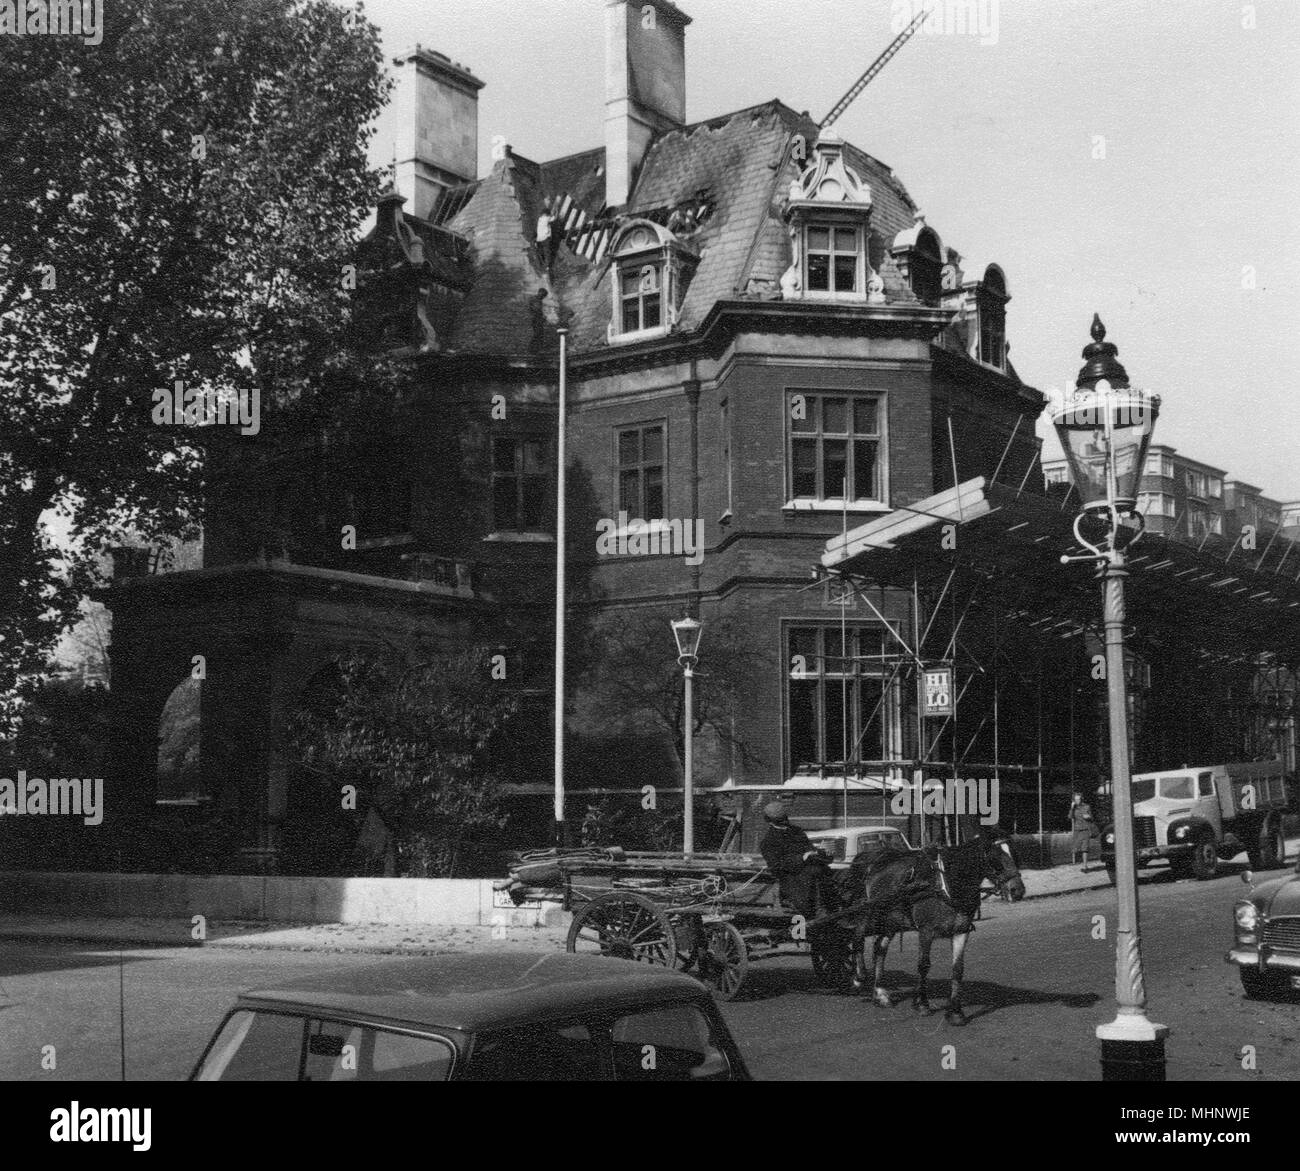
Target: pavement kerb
point(247, 935)
point(308, 937)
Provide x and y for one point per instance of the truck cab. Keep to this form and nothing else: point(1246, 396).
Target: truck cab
point(1196, 817)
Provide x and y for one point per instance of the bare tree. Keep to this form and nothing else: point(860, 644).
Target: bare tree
point(638, 681)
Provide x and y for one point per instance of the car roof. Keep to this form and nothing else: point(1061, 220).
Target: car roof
point(475, 992)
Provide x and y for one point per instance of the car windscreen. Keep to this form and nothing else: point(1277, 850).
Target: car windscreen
point(832, 846)
point(255, 1047)
point(1143, 790)
point(1178, 788)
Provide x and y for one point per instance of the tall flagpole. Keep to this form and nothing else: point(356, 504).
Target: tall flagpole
point(559, 591)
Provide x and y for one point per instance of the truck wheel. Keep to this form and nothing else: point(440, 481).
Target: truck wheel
point(1205, 859)
point(1110, 872)
point(1272, 846)
point(1180, 868)
point(1261, 985)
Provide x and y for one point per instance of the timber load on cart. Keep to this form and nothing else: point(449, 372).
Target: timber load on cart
point(711, 914)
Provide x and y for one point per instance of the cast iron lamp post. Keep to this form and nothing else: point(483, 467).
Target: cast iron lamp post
point(687, 633)
point(1105, 429)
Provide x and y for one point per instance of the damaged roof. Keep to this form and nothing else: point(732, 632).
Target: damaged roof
point(734, 171)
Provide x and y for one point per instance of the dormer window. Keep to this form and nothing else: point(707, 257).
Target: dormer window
point(829, 214)
point(833, 259)
point(989, 298)
point(641, 297)
point(919, 256)
point(650, 269)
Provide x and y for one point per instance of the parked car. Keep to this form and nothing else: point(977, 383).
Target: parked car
point(509, 1016)
point(1267, 925)
point(843, 845)
point(1197, 817)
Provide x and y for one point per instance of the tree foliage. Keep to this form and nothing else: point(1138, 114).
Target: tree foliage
point(423, 741)
point(179, 204)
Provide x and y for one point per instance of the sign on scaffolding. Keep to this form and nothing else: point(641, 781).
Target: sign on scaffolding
point(937, 697)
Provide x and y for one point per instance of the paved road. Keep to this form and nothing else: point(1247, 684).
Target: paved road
point(1037, 985)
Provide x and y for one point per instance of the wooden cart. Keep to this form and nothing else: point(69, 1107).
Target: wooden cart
point(712, 914)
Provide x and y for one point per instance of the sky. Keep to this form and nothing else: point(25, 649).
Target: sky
point(1129, 157)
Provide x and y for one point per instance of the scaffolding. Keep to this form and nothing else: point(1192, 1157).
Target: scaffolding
point(991, 600)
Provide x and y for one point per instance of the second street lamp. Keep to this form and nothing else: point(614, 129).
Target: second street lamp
point(687, 632)
point(1105, 428)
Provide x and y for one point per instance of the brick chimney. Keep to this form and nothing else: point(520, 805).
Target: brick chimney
point(435, 103)
point(645, 85)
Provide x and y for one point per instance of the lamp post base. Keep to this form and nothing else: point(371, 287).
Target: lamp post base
point(1132, 1049)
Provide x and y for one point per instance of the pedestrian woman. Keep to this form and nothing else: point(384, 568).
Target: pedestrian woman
point(1081, 827)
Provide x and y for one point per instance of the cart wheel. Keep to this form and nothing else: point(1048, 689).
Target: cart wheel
point(832, 958)
point(624, 925)
point(724, 960)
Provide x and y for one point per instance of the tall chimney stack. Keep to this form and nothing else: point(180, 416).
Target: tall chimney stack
point(435, 103)
point(645, 85)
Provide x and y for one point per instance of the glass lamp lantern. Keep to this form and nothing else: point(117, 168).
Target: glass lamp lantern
point(687, 632)
point(1105, 428)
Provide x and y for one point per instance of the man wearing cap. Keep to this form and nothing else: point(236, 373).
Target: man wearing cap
point(806, 883)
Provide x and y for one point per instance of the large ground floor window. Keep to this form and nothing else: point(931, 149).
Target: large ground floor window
point(841, 702)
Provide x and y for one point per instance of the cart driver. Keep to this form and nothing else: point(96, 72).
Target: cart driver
point(805, 877)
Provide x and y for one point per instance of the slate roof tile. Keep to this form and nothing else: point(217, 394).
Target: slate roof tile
point(739, 163)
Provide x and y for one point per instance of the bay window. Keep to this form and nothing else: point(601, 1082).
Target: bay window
point(841, 703)
point(835, 442)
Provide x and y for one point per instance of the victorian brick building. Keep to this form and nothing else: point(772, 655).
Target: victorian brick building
point(768, 345)
point(768, 342)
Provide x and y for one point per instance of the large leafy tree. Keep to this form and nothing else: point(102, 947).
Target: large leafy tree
point(422, 739)
point(180, 203)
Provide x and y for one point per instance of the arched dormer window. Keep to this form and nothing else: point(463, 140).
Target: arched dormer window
point(991, 308)
point(649, 268)
point(984, 312)
point(919, 256)
point(829, 215)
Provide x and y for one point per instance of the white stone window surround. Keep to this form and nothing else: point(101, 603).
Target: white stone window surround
point(644, 247)
point(829, 195)
point(803, 504)
point(836, 503)
point(636, 527)
point(836, 226)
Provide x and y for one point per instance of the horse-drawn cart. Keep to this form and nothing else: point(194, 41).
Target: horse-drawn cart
point(713, 914)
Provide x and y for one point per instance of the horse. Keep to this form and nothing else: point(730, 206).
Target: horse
point(935, 893)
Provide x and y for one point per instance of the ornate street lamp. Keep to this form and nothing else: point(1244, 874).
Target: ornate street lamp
point(687, 632)
point(1105, 429)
